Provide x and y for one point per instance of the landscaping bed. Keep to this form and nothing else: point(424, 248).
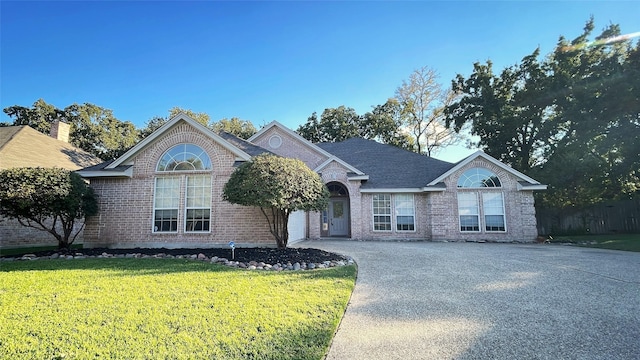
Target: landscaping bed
point(250, 258)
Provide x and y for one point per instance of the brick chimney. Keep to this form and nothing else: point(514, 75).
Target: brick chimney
point(60, 131)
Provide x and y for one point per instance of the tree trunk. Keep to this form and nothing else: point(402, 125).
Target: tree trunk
point(278, 225)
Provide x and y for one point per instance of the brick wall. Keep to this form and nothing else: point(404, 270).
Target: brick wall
point(289, 147)
point(13, 235)
point(126, 204)
point(519, 210)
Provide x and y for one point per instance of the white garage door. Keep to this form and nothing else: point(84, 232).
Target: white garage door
point(297, 226)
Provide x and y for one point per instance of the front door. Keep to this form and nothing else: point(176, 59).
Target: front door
point(338, 217)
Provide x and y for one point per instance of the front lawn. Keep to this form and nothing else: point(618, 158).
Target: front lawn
point(627, 242)
point(161, 309)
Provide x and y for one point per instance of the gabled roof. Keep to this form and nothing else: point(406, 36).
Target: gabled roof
point(181, 117)
point(243, 145)
point(314, 147)
point(524, 182)
point(389, 168)
point(23, 146)
point(122, 167)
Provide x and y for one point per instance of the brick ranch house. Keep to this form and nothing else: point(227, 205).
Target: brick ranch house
point(23, 146)
point(167, 192)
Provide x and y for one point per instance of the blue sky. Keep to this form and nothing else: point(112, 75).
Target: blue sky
point(264, 61)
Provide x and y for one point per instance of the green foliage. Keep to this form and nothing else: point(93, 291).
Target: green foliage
point(571, 119)
point(47, 199)
point(243, 129)
point(93, 128)
point(156, 122)
point(167, 309)
point(278, 186)
point(202, 118)
point(337, 124)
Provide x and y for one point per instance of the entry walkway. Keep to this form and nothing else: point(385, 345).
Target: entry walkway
point(423, 300)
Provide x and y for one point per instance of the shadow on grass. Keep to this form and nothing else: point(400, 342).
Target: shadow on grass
point(149, 266)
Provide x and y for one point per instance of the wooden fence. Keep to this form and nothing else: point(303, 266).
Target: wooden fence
point(611, 217)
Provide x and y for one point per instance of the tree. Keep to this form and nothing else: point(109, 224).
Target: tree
point(96, 130)
point(278, 186)
point(335, 124)
point(93, 128)
point(243, 129)
point(510, 113)
point(570, 120)
point(341, 123)
point(384, 124)
point(47, 199)
point(39, 116)
point(422, 102)
point(156, 122)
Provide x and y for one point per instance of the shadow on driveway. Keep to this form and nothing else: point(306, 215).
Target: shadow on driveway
point(488, 301)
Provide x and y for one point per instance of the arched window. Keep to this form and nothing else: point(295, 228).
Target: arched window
point(191, 207)
point(184, 157)
point(481, 210)
point(478, 178)
point(337, 190)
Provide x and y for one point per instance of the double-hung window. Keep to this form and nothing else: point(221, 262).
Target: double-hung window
point(382, 212)
point(397, 210)
point(469, 211)
point(166, 204)
point(405, 212)
point(182, 193)
point(483, 209)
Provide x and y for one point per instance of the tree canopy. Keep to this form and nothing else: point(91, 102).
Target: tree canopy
point(413, 119)
point(243, 129)
point(570, 119)
point(47, 199)
point(93, 128)
point(278, 186)
point(337, 124)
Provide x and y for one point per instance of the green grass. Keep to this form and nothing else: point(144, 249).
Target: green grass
point(32, 249)
point(167, 309)
point(627, 242)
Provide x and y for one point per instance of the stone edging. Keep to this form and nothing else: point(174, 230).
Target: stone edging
point(251, 265)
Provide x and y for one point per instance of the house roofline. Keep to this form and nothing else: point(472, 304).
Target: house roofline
point(490, 159)
point(306, 143)
point(166, 127)
point(339, 161)
point(128, 173)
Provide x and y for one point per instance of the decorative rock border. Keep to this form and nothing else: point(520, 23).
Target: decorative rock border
point(251, 265)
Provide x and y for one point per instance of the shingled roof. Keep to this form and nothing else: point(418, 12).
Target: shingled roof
point(388, 167)
point(243, 145)
point(23, 146)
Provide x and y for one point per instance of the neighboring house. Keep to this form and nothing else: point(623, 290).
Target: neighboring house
point(167, 192)
point(22, 146)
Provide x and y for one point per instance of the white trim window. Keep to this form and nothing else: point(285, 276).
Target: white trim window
point(405, 212)
point(469, 212)
point(166, 204)
point(198, 204)
point(174, 208)
point(493, 209)
point(381, 212)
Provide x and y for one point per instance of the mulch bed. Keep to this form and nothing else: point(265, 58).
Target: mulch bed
point(266, 255)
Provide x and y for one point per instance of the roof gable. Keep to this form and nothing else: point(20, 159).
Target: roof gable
point(23, 146)
point(181, 117)
point(481, 154)
point(274, 124)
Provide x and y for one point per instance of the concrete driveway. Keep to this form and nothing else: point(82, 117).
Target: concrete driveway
point(423, 300)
